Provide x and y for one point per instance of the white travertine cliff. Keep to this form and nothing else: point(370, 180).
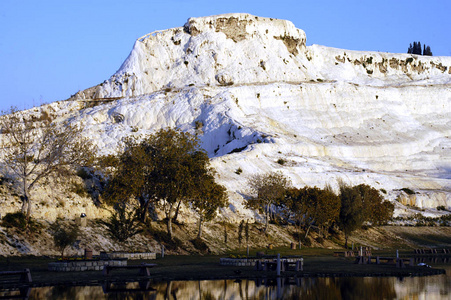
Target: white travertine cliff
point(260, 95)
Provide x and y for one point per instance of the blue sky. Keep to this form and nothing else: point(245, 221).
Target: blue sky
point(50, 49)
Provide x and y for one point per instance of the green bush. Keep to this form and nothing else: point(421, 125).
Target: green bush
point(19, 221)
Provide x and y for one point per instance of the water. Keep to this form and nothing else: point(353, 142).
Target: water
point(428, 287)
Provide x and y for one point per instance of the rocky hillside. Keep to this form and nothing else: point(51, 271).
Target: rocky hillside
point(261, 100)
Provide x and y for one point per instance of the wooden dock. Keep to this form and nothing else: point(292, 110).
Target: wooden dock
point(24, 275)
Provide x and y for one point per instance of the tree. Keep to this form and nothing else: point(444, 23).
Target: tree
point(352, 213)
point(313, 206)
point(266, 190)
point(359, 204)
point(129, 178)
point(376, 210)
point(209, 197)
point(35, 148)
point(162, 170)
point(416, 49)
point(63, 235)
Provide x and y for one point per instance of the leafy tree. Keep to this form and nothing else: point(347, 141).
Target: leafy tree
point(267, 190)
point(35, 148)
point(122, 224)
point(64, 235)
point(376, 210)
point(352, 213)
point(209, 197)
point(129, 178)
point(162, 170)
point(359, 204)
point(313, 206)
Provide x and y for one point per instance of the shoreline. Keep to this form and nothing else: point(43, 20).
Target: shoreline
point(200, 268)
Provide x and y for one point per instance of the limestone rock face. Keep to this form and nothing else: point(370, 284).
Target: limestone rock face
point(262, 95)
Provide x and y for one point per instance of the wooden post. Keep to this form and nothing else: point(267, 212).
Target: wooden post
point(247, 251)
point(278, 264)
point(26, 276)
point(258, 265)
point(162, 251)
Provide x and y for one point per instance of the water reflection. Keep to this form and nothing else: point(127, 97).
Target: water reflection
point(432, 287)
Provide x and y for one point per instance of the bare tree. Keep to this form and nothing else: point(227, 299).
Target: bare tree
point(266, 190)
point(33, 148)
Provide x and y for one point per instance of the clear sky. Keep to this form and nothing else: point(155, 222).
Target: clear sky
point(50, 49)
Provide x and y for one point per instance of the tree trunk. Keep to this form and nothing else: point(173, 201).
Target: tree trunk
point(28, 210)
point(308, 229)
point(177, 211)
point(169, 217)
point(267, 217)
point(199, 233)
point(346, 240)
point(144, 209)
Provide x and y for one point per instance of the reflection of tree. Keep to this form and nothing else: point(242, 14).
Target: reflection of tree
point(366, 288)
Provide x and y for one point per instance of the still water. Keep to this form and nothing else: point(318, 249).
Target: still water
point(430, 287)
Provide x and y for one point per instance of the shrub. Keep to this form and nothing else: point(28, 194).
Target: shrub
point(122, 224)
point(84, 174)
point(79, 189)
point(408, 191)
point(16, 220)
point(238, 171)
point(281, 161)
point(441, 207)
point(200, 245)
point(198, 124)
point(320, 239)
point(383, 191)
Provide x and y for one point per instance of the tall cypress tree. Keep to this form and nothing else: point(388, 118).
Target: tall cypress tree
point(427, 51)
